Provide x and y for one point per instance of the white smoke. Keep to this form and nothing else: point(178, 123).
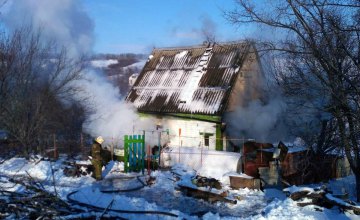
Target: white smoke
point(262, 120)
point(258, 121)
point(67, 23)
point(109, 115)
point(63, 21)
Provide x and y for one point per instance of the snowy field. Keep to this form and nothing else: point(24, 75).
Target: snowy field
point(162, 199)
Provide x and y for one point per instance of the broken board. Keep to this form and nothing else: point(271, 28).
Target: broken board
point(237, 182)
point(206, 195)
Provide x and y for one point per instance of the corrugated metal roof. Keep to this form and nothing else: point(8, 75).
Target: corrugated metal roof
point(195, 80)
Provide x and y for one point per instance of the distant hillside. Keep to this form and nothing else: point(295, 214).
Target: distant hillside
point(119, 67)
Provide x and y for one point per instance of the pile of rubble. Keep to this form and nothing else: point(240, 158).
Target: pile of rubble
point(73, 169)
point(34, 202)
point(320, 197)
point(201, 181)
point(208, 189)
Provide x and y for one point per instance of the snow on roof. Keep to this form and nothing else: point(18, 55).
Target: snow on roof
point(242, 175)
point(194, 80)
point(291, 149)
point(297, 146)
point(270, 150)
point(295, 149)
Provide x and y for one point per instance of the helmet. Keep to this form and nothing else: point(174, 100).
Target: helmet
point(99, 139)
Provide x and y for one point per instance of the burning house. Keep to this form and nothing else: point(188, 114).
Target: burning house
point(187, 90)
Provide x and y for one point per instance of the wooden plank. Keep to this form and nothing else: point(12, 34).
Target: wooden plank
point(206, 195)
point(237, 182)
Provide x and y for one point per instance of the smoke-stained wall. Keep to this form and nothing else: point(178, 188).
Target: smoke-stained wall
point(249, 83)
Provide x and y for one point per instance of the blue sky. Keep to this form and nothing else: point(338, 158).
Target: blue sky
point(123, 26)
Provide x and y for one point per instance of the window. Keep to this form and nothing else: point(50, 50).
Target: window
point(206, 137)
point(206, 140)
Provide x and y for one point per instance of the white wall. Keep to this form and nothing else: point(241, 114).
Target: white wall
point(206, 162)
point(190, 132)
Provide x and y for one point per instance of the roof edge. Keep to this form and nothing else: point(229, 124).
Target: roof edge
point(204, 45)
point(205, 118)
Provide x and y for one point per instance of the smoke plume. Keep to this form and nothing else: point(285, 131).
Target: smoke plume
point(110, 115)
point(262, 120)
point(258, 121)
point(208, 29)
point(66, 23)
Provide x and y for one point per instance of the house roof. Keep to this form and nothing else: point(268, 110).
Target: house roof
point(196, 80)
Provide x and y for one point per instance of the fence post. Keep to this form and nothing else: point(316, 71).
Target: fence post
point(131, 152)
point(159, 143)
point(135, 153)
point(143, 153)
point(201, 154)
point(139, 154)
point(126, 153)
point(179, 142)
point(148, 160)
point(55, 147)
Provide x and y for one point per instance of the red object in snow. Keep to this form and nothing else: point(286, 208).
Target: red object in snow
point(251, 169)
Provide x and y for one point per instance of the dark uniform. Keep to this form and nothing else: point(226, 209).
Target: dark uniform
point(96, 160)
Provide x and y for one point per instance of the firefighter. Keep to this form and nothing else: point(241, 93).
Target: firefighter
point(96, 157)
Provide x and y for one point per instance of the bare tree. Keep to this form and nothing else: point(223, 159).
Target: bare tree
point(34, 76)
point(321, 51)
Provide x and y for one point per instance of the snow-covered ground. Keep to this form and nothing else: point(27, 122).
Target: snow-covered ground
point(106, 63)
point(103, 63)
point(162, 197)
